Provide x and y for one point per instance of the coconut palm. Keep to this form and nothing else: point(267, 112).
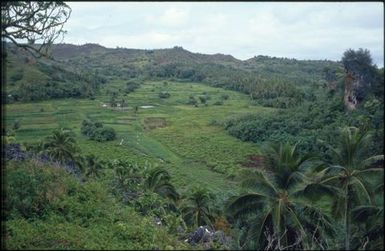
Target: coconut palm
point(128, 178)
point(158, 181)
point(288, 165)
point(196, 208)
point(274, 206)
point(93, 166)
point(60, 145)
point(350, 174)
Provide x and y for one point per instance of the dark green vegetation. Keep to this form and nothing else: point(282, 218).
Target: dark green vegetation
point(262, 152)
point(29, 80)
point(96, 131)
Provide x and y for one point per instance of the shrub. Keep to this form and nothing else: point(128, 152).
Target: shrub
point(164, 94)
point(225, 96)
point(32, 189)
point(96, 131)
point(131, 86)
point(16, 125)
point(203, 99)
point(104, 134)
point(219, 102)
point(192, 101)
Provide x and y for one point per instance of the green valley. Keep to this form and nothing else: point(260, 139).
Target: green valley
point(169, 149)
point(187, 144)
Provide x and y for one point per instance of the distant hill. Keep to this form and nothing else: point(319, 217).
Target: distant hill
point(29, 79)
point(97, 56)
point(94, 64)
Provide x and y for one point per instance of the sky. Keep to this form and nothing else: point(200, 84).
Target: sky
point(301, 30)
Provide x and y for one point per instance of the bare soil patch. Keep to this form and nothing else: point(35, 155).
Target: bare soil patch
point(152, 123)
point(255, 161)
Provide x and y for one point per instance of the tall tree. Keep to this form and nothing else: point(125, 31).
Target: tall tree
point(357, 61)
point(350, 174)
point(196, 208)
point(159, 181)
point(274, 207)
point(361, 76)
point(61, 146)
point(27, 23)
point(93, 166)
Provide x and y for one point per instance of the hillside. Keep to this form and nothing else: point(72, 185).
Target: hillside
point(28, 78)
point(88, 66)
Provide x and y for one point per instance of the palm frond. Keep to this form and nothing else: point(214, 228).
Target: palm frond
point(241, 202)
point(363, 188)
point(371, 160)
point(362, 213)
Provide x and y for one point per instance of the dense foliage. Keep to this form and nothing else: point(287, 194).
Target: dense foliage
point(29, 79)
point(96, 131)
point(317, 119)
point(270, 81)
point(41, 198)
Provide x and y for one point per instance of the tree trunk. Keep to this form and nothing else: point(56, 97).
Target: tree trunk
point(347, 218)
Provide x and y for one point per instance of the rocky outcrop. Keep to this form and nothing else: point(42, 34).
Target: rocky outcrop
point(354, 89)
point(209, 238)
point(349, 98)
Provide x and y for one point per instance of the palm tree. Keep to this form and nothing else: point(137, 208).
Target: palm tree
point(350, 174)
point(61, 145)
point(158, 181)
point(288, 165)
point(128, 178)
point(275, 206)
point(196, 208)
point(93, 166)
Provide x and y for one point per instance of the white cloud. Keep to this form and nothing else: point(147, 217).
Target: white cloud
point(302, 30)
point(172, 17)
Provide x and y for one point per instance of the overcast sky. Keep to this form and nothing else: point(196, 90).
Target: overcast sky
point(301, 30)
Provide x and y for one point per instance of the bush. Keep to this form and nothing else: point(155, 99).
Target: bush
point(32, 189)
point(219, 102)
point(104, 134)
point(192, 101)
point(96, 131)
point(16, 125)
point(203, 99)
point(225, 96)
point(131, 86)
point(164, 94)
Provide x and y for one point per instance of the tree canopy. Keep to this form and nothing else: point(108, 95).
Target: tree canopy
point(37, 23)
point(357, 61)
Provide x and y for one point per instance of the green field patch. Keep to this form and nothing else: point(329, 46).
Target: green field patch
point(29, 121)
point(172, 133)
point(29, 107)
point(51, 126)
point(32, 134)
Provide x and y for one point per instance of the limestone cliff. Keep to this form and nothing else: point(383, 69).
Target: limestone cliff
point(355, 85)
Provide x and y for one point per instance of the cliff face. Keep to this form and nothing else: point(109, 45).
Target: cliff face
point(354, 88)
point(350, 99)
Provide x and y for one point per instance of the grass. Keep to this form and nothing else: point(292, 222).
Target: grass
point(192, 149)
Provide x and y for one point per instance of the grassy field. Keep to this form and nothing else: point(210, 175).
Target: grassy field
point(172, 134)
